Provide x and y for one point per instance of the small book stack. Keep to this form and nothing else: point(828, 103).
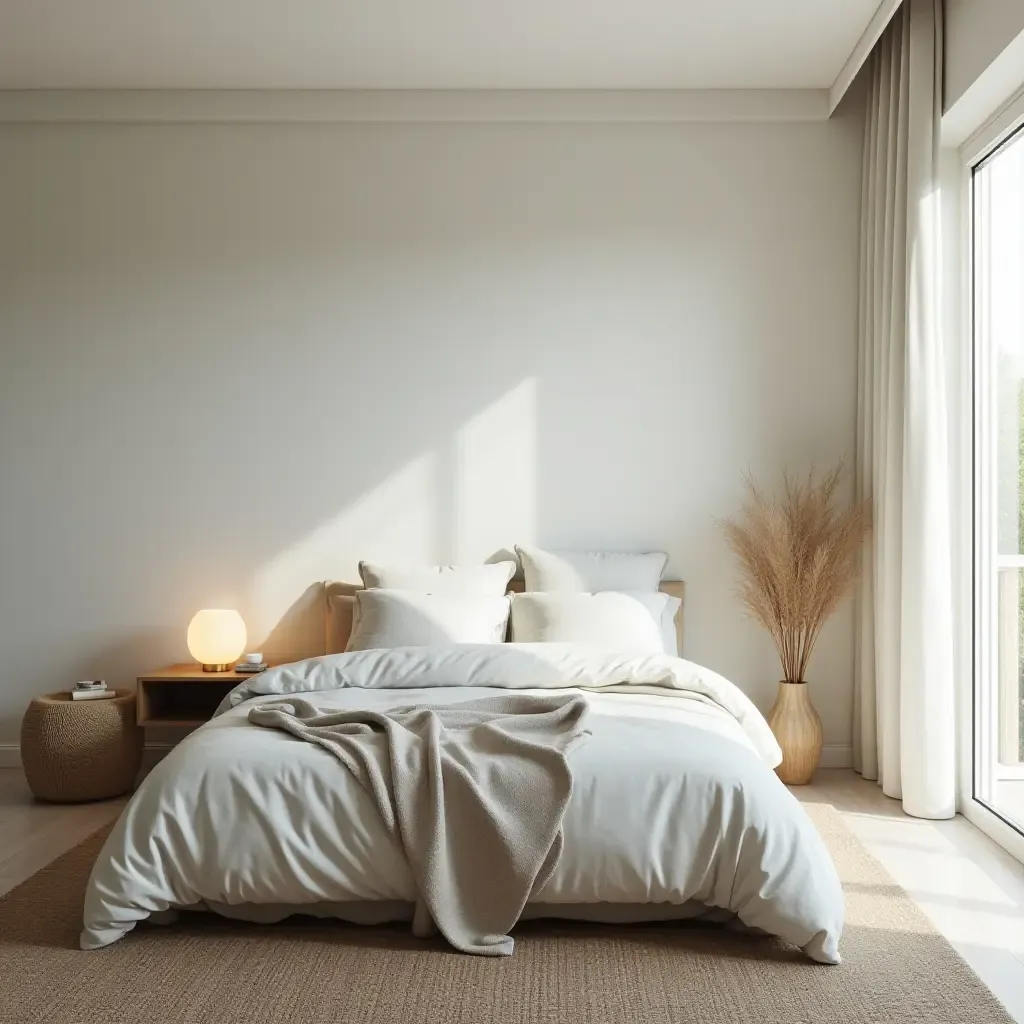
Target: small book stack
point(91, 689)
point(252, 663)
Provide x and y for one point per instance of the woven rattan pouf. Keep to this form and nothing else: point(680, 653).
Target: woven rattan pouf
point(76, 750)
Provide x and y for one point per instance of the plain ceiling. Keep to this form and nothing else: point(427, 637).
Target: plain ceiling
point(427, 44)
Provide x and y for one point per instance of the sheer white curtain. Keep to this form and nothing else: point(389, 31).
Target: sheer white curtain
point(904, 730)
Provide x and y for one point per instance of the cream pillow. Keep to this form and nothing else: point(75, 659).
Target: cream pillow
point(663, 609)
point(591, 571)
point(405, 618)
point(618, 621)
point(439, 579)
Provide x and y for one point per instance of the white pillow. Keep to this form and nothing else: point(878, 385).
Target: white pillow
point(662, 608)
point(591, 571)
point(611, 620)
point(439, 579)
point(404, 618)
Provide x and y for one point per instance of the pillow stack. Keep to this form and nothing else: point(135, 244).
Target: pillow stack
point(423, 605)
point(611, 599)
point(599, 598)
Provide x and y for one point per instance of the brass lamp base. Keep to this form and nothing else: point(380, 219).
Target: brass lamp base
point(217, 668)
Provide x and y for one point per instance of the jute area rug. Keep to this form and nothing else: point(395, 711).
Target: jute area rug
point(896, 967)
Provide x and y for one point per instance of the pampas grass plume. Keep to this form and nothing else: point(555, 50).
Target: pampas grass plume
point(798, 555)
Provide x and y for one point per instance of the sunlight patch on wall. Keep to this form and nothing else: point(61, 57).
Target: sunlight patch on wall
point(472, 497)
point(496, 476)
point(394, 522)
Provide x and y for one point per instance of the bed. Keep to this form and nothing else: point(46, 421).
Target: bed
point(675, 811)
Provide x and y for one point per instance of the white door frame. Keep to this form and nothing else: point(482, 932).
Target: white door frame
point(973, 449)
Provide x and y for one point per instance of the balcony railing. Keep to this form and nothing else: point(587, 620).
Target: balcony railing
point(1010, 697)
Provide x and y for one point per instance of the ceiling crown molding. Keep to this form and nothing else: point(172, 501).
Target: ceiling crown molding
point(57, 106)
point(884, 13)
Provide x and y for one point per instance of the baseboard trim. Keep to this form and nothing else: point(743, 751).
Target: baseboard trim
point(836, 755)
point(10, 755)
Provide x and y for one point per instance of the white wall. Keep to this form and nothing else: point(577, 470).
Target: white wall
point(976, 33)
point(237, 358)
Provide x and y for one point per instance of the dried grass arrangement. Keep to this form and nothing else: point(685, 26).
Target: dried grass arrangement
point(798, 557)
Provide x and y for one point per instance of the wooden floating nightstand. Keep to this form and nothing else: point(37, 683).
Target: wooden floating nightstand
point(183, 695)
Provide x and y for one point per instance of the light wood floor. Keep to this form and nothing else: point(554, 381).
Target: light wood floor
point(970, 888)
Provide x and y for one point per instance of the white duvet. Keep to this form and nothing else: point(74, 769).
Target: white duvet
point(675, 811)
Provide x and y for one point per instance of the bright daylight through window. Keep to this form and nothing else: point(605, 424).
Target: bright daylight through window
point(998, 315)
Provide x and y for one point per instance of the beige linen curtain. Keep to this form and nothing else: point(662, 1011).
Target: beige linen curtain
point(904, 734)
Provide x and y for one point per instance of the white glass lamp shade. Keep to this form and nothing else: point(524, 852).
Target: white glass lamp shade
point(216, 637)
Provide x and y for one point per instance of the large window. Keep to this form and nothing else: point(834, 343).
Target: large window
point(998, 328)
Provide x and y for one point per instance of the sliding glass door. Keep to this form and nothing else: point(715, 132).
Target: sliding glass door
point(998, 331)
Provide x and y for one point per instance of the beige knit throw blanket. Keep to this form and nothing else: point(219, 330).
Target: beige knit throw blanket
point(474, 793)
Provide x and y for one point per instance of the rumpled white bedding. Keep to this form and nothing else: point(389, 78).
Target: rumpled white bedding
point(674, 803)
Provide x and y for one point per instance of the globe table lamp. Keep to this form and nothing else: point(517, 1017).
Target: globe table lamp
point(216, 637)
